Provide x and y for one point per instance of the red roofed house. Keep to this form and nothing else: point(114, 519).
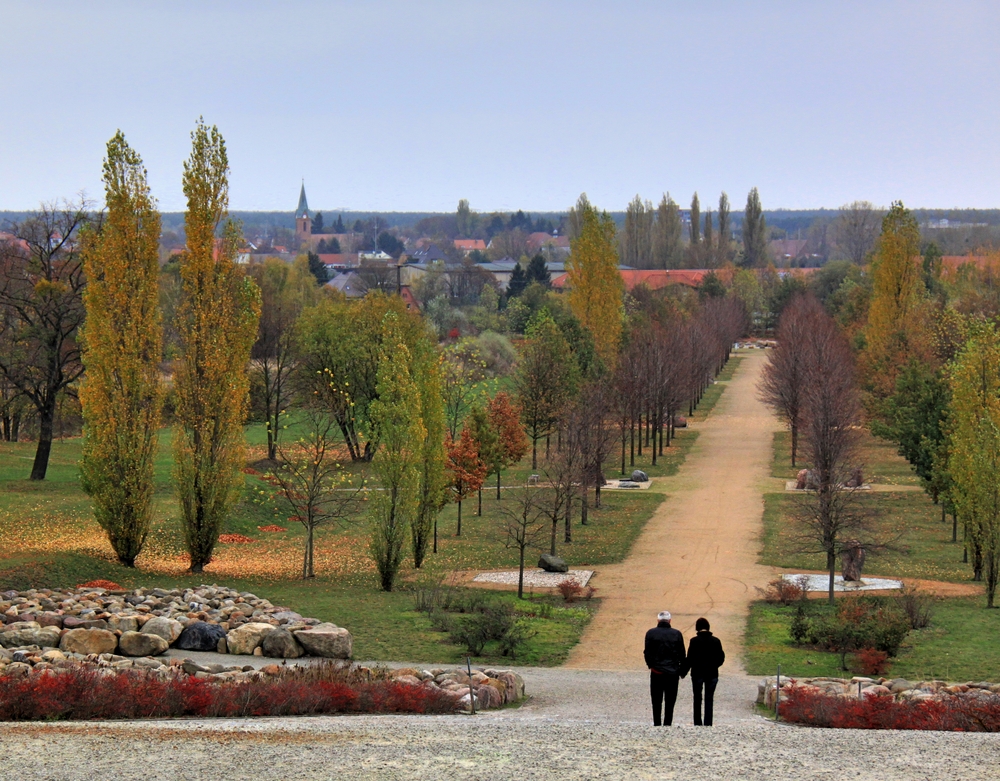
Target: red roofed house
point(470, 245)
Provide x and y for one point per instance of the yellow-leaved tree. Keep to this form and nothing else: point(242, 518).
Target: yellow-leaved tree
point(896, 329)
point(122, 338)
point(217, 324)
point(974, 460)
point(595, 286)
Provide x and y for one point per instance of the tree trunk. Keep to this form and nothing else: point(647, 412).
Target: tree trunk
point(534, 453)
point(954, 527)
point(520, 575)
point(795, 442)
point(46, 418)
point(458, 530)
point(631, 437)
point(546, 447)
point(479, 511)
point(568, 532)
point(831, 565)
point(555, 526)
point(583, 507)
point(498, 485)
point(435, 548)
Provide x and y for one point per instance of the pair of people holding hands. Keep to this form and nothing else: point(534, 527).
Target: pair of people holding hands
point(668, 663)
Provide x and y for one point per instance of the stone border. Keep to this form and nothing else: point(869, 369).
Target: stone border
point(821, 583)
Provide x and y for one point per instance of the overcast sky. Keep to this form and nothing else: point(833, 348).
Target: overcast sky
point(410, 106)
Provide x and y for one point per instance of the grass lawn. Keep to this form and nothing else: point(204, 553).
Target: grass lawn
point(961, 644)
point(48, 538)
point(963, 640)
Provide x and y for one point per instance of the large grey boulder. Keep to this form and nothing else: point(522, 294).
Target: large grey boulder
point(167, 628)
point(200, 636)
point(281, 644)
point(89, 641)
point(638, 476)
point(551, 563)
point(142, 644)
point(30, 633)
point(326, 640)
point(246, 638)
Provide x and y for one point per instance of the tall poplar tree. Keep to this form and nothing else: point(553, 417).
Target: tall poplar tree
point(122, 336)
point(668, 250)
point(595, 285)
point(433, 489)
point(725, 230)
point(695, 221)
point(397, 463)
point(754, 233)
point(217, 325)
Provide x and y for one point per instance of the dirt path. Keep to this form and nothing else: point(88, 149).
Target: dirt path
point(698, 554)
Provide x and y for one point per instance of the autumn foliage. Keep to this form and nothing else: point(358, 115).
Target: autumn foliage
point(82, 694)
point(121, 394)
point(465, 468)
point(954, 714)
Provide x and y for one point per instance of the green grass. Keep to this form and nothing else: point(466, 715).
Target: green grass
point(962, 643)
point(880, 461)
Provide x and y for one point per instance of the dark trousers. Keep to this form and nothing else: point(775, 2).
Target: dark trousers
point(663, 692)
point(709, 684)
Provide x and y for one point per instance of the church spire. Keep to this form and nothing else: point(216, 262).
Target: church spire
point(303, 207)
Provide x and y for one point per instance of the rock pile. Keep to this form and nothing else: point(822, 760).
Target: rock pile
point(491, 688)
point(145, 622)
point(854, 688)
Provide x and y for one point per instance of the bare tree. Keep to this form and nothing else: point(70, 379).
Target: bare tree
point(524, 525)
point(587, 425)
point(832, 516)
point(856, 229)
point(783, 385)
point(41, 298)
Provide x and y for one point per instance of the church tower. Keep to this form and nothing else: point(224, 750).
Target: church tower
point(303, 222)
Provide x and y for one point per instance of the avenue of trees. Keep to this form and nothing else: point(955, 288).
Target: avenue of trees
point(909, 349)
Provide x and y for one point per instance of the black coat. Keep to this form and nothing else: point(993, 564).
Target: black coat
point(705, 656)
point(664, 651)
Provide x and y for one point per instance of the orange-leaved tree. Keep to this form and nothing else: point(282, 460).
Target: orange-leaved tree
point(122, 336)
point(217, 324)
point(505, 419)
point(466, 470)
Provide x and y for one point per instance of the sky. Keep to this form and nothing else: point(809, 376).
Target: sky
point(410, 106)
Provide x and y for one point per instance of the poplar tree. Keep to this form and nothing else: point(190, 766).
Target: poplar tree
point(754, 233)
point(695, 221)
point(725, 229)
point(217, 325)
point(121, 394)
point(395, 414)
point(974, 463)
point(596, 288)
point(668, 251)
point(433, 489)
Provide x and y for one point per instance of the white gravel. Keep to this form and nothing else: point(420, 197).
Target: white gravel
point(822, 583)
point(536, 578)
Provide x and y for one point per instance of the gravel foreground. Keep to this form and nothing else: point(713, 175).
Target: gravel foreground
point(485, 747)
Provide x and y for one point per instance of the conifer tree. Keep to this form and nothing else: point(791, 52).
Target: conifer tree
point(121, 395)
point(217, 324)
point(518, 281)
point(395, 413)
point(596, 287)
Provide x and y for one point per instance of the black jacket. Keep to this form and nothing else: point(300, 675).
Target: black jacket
point(705, 656)
point(664, 651)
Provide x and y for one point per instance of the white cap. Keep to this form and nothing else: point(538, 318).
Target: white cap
point(664, 616)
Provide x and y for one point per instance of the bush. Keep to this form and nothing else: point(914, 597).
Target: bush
point(799, 629)
point(88, 693)
point(965, 714)
point(869, 661)
point(497, 622)
point(861, 622)
point(917, 606)
point(783, 592)
point(570, 589)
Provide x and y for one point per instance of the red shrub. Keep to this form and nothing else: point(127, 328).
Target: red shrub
point(570, 589)
point(871, 661)
point(962, 714)
point(86, 693)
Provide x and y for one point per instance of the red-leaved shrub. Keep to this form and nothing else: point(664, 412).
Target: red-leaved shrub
point(86, 693)
point(952, 713)
point(570, 589)
point(871, 661)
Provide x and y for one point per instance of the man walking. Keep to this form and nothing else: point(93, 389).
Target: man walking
point(664, 654)
point(704, 658)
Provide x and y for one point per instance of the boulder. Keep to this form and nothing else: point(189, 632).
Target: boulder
point(142, 644)
point(852, 559)
point(51, 619)
point(638, 476)
point(200, 636)
point(75, 622)
point(628, 484)
point(281, 644)
point(326, 640)
point(551, 563)
point(801, 479)
point(167, 628)
point(88, 641)
point(246, 638)
point(43, 637)
point(123, 624)
point(856, 480)
point(680, 421)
